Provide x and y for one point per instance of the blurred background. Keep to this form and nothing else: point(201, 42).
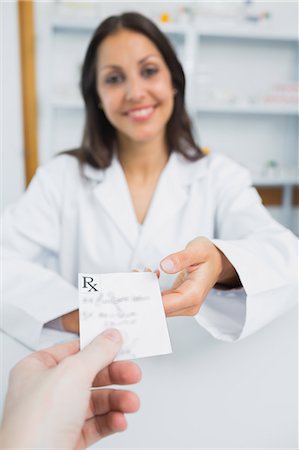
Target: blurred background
point(241, 64)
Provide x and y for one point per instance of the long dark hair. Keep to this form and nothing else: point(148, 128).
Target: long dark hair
point(99, 134)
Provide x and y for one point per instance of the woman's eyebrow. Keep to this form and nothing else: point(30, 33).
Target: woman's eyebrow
point(141, 61)
point(109, 66)
point(146, 57)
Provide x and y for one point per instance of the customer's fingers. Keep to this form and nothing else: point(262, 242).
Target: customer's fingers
point(101, 426)
point(61, 351)
point(120, 372)
point(47, 358)
point(98, 354)
point(105, 400)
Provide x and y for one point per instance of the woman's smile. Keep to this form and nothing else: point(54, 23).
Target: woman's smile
point(141, 114)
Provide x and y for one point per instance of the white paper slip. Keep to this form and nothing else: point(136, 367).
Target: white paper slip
point(130, 302)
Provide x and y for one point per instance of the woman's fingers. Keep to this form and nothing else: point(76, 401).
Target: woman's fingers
point(189, 290)
point(148, 269)
point(196, 252)
point(185, 259)
point(120, 372)
point(182, 276)
point(157, 271)
point(189, 294)
point(175, 305)
point(191, 311)
point(176, 262)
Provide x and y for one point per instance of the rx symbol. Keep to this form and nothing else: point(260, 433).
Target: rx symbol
point(89, 284)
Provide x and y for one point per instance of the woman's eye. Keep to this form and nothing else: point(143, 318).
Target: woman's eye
point(149, 71)
point(114, 79)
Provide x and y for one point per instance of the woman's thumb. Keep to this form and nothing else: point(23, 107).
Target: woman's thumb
point(176, 262)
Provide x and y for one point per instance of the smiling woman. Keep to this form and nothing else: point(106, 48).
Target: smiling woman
point(139, 193)
point(131, 76)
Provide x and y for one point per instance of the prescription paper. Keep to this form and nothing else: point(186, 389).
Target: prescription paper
point(130, 302)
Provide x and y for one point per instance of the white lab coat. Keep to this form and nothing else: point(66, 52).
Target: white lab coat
point(68, 222)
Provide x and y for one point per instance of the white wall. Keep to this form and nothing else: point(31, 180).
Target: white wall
point(11, 131)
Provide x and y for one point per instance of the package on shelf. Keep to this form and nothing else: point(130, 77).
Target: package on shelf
point(280, 172)
point(283, 94)
point(75, 9)
point(219, 10)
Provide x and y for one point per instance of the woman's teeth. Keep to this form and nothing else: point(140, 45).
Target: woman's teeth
point(144, 112)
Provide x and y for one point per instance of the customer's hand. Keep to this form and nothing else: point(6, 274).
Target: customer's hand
point(201, 266)
point(50, 404)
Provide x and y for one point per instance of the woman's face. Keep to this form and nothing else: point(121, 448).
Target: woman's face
point(134, 85)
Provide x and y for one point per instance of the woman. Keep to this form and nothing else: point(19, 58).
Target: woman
point(139, 191)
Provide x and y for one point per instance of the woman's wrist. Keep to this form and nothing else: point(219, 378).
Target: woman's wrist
point(228, 277)
point(70, 321)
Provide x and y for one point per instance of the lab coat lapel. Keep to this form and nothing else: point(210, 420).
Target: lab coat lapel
point(168, 198)
point(171, 194)
point(114, 196)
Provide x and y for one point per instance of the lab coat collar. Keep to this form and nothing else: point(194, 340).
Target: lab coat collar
point(188, 172)
point(111, 190)
point(92, 173)
point(184, 172)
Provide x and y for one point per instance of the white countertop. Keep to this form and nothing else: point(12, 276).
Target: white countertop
point(209, 394)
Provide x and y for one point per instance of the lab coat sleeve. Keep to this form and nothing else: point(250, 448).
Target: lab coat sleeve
point(263, 252)
point(33, 292)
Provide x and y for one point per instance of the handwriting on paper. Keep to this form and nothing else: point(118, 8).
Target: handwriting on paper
point(130, 302)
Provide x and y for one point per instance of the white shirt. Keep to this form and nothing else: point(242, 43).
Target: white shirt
point(69, 222)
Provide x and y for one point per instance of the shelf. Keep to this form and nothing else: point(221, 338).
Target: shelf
point(221, 109)
point(231, 30)
point(248, 109)
point(76, 104)
point(74, 25)
point(246, 31)
point(276, 182)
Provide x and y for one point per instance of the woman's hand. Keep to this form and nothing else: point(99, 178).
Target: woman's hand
point(201, 266)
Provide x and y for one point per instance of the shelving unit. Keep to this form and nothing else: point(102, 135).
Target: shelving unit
point(233, 70)
point(217, 109)
point(249, 109)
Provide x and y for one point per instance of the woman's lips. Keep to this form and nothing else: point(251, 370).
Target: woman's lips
point(141, 114)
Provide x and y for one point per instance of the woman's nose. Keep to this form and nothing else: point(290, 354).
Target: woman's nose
point(135, 90)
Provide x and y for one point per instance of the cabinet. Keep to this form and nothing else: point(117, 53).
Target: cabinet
point(242, 89)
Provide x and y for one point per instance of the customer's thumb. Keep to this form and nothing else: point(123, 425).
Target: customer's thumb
point(100, 352)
